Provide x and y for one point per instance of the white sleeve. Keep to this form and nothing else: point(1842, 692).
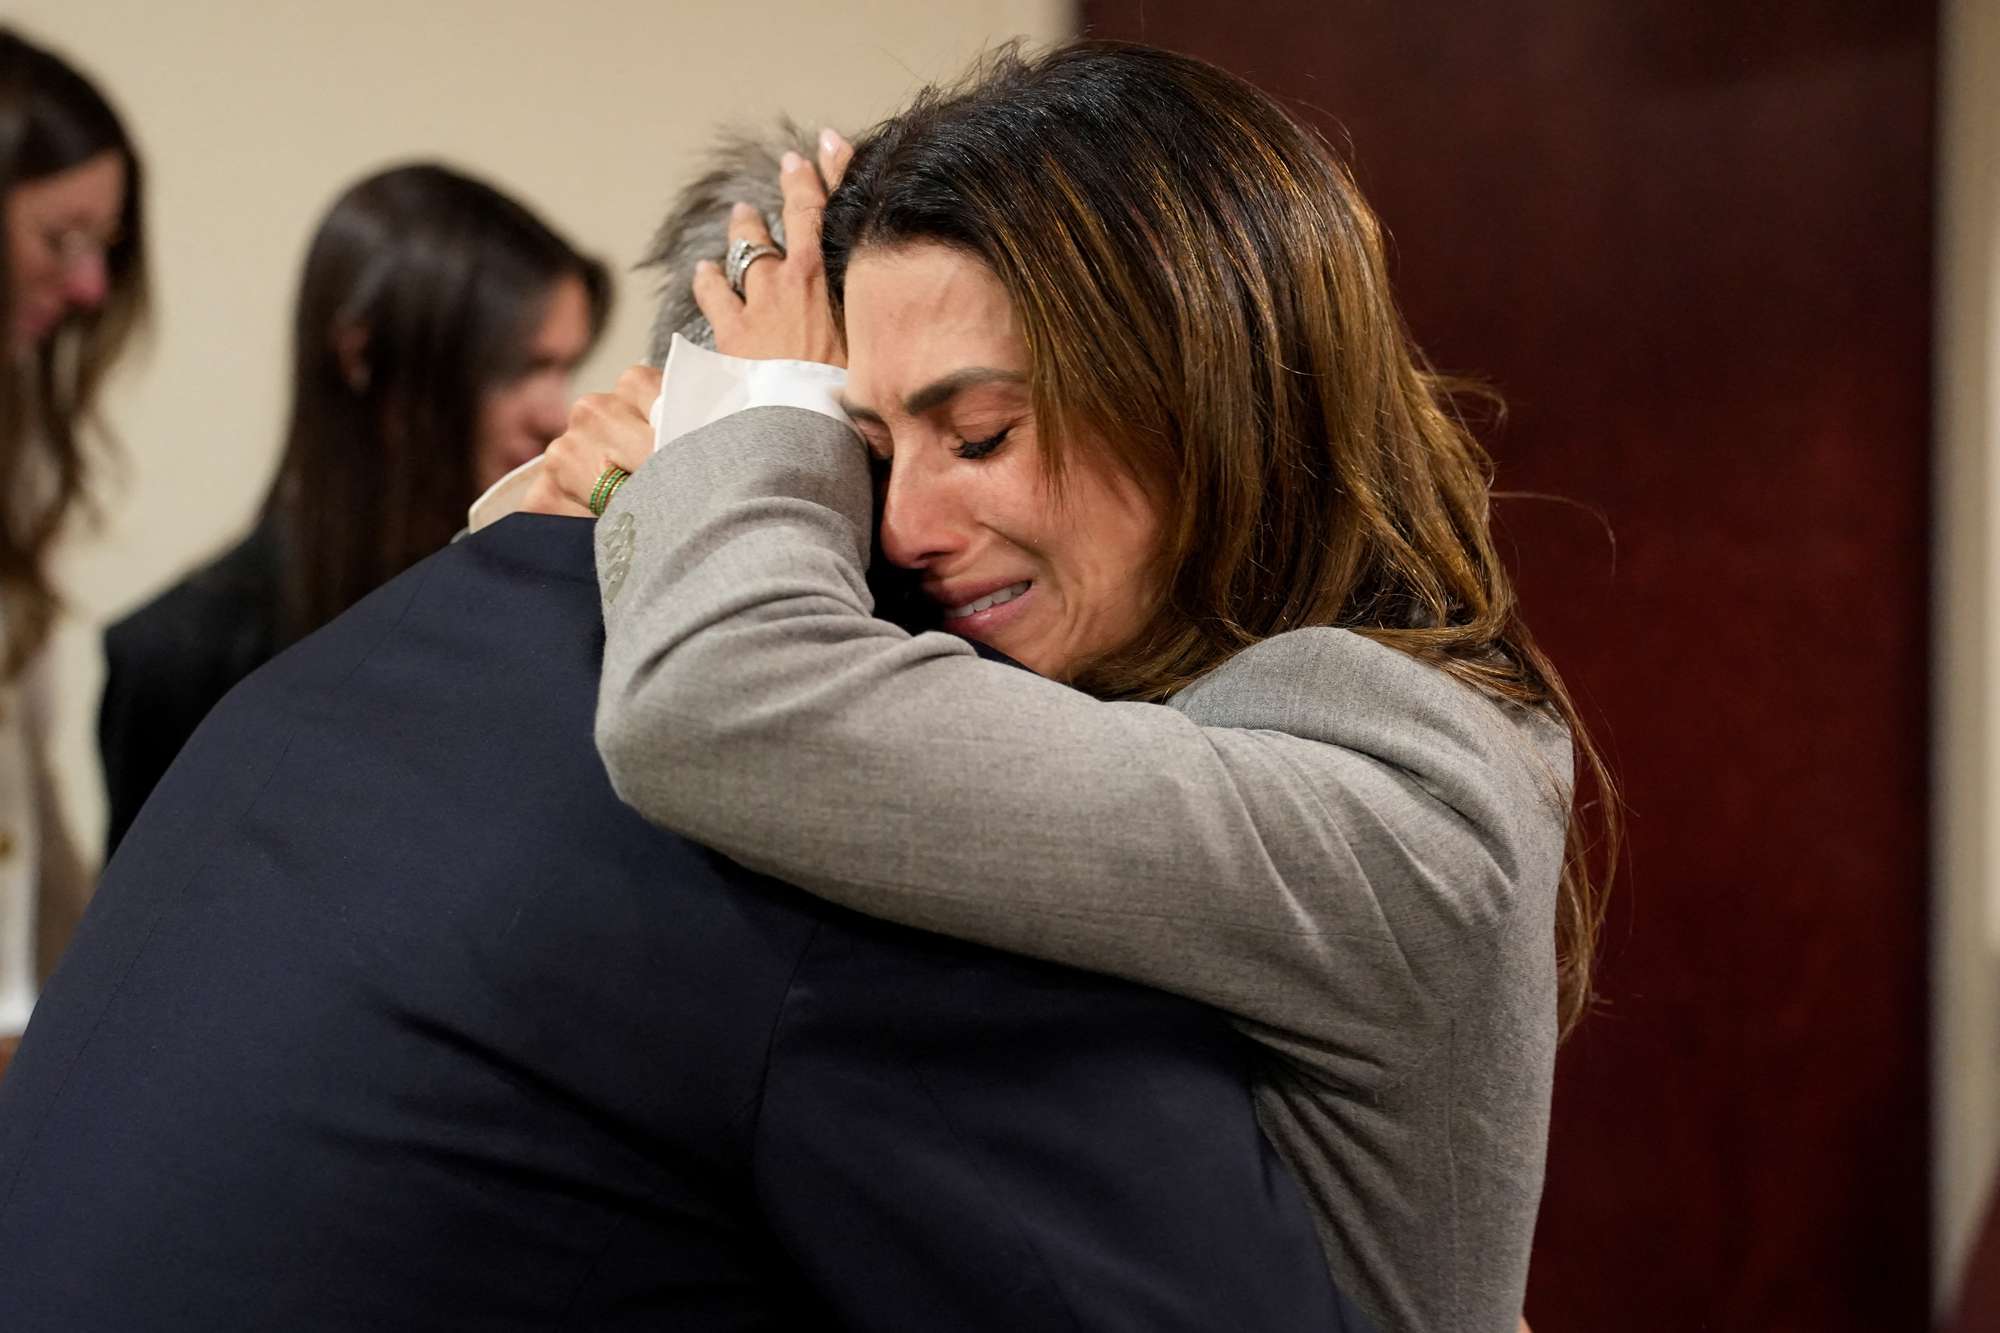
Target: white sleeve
point(698, 387)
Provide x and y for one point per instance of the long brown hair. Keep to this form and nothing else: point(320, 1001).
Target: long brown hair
point(1203, 291)
point(446, 279)
point(51, 120)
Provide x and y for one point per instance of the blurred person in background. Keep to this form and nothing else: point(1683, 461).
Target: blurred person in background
point(72, 292)
point(437, 326)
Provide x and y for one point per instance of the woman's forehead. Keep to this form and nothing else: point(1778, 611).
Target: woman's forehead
point(91, 190)
point(918, 313)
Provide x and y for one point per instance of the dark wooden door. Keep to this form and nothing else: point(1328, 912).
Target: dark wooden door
point(1690, 242)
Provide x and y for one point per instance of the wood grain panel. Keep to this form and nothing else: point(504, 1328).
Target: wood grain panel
point(1691, 245)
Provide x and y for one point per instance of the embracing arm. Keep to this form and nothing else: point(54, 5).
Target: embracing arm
point(1306, 859)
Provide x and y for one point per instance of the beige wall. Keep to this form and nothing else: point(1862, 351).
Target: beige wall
point(1966, 915)
point(254, 113)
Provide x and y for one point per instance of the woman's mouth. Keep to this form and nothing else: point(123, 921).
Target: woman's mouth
point(33, 324)
point(984, 618)
point(998, 597)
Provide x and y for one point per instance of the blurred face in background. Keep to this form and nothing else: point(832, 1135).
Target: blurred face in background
point(520, 415)
point(58, 230)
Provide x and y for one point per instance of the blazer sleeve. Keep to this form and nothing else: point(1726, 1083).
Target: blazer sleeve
point(139, 731)
point(1319, 838)
point(162, 676)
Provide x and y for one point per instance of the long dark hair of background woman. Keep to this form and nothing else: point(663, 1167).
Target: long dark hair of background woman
point(59, 343)
point(436, 327)
point(420, 292)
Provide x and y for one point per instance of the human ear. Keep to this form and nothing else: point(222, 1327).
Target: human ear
point(350, 349)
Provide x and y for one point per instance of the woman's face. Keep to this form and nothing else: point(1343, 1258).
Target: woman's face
point(58, 230)
point(519, 416)
point(938, 385)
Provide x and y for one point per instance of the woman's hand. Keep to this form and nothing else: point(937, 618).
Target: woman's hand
point(605, 430)
point(784, 312)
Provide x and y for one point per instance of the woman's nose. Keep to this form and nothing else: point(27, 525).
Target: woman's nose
point(86, 281)
point(549, 409)
point(920, 521)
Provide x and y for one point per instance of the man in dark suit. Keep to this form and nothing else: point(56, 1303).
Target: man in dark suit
point(390, 1015)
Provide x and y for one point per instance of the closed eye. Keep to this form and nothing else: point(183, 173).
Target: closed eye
point(974, 449)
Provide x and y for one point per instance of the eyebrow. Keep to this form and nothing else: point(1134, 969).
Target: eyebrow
point(939, 392)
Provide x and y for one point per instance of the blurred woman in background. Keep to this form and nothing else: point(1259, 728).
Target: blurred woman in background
point(72, 291)
point(437, 325)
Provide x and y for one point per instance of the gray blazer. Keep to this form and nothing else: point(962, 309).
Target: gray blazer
point(1350, 852)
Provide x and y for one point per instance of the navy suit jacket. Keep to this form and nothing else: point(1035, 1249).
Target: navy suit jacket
point(388, 1015)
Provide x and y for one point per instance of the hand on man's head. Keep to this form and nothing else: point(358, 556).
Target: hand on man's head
point(782, 312)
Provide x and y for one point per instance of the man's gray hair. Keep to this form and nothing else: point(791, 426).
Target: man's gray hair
point(742, 167)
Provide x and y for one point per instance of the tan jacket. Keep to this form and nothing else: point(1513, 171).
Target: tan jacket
point(43, 883)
